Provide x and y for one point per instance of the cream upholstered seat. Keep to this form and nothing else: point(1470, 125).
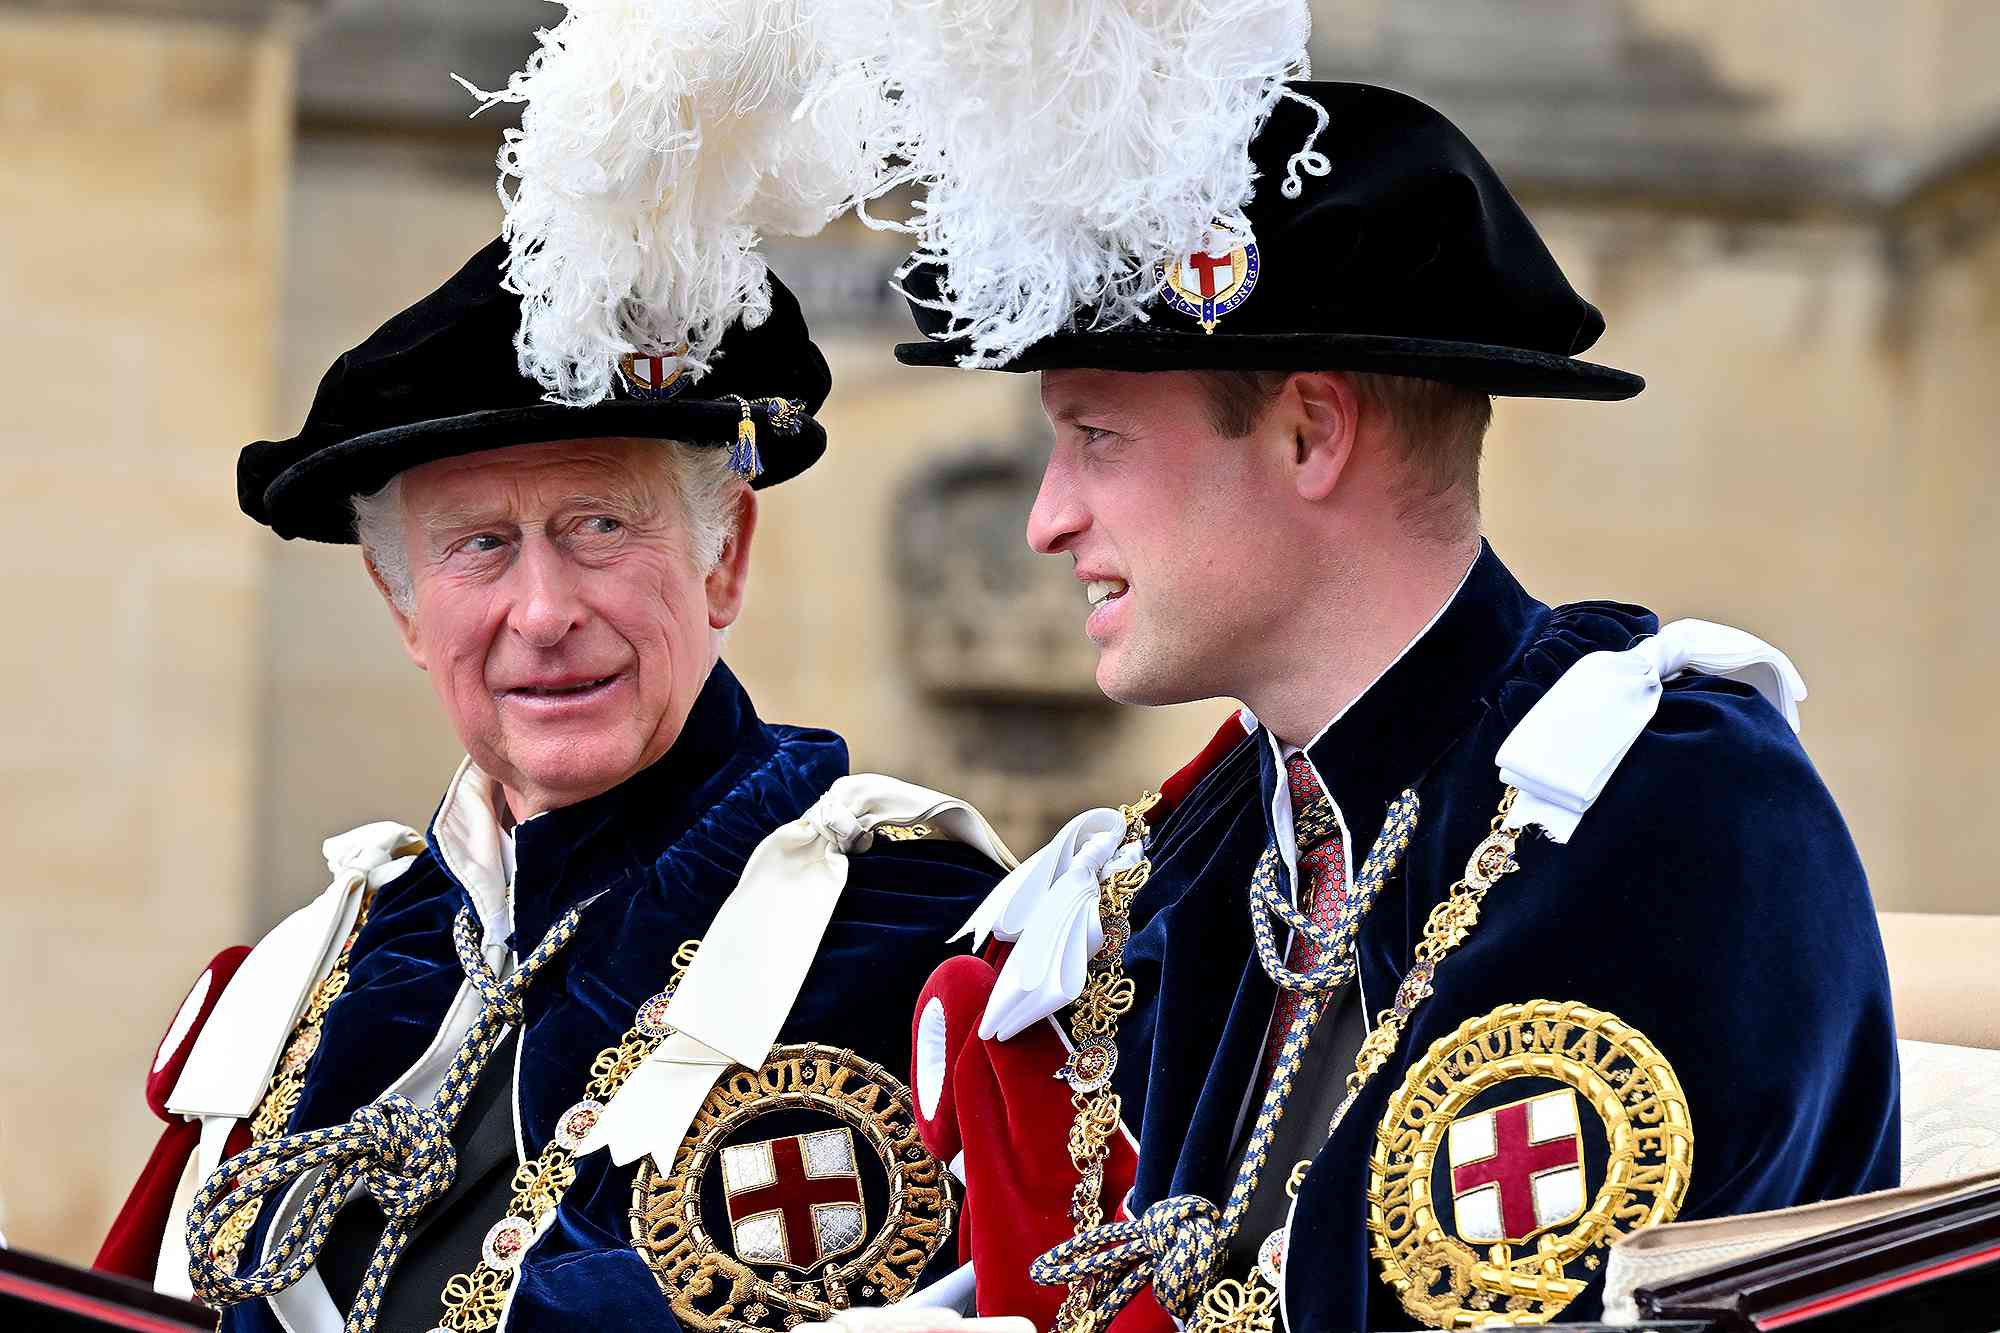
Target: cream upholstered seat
point(1944, 972)
point(1944, 975)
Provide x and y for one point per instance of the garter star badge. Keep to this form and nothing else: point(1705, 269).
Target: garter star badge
point(1516, 1150)
point(802, 1188)
point(1209, 282)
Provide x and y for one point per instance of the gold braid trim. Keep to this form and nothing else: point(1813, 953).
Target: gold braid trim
point(473, 1300)
point(1251, 1305)
point(281, 1098)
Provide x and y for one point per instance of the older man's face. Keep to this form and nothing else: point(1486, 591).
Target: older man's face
point(560, 611)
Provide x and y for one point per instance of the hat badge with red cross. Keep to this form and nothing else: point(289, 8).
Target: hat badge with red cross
point(656, 376)
point(1212, 279)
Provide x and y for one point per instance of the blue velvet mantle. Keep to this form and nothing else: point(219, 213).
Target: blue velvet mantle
point(1712, 898)
point(659, 854)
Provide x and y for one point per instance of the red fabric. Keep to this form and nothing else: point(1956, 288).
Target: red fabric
point(793, 1193)
point(1513, 1167)
point(1226, 738)
point(132, 1247)
point(1002, 1106)
point(167, 1065)
point(1011, 1121)
point(1322, 891)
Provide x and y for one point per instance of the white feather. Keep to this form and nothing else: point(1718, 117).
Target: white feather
point(657, 143)
point(1064, 146)
point(1057, 149)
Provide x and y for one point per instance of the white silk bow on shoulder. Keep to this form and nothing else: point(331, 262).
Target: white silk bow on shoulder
point(1569, 744)
point(754, 957)
point(1047, 908)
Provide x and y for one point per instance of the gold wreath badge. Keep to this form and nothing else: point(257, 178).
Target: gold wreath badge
point(1516, 1167)
point(708, 1283)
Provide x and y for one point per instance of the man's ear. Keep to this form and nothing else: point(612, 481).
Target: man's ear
point(406, 625)
point(729, 581)
point(1326, 420)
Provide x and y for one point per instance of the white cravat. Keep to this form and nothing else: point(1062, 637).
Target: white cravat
point(754, 957)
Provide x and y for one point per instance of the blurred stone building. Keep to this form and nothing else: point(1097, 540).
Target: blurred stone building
point(1789, 212)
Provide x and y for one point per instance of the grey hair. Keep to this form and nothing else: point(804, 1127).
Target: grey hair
point(700, 476)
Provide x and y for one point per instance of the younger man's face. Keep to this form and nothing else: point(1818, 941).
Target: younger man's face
point(1167, 523)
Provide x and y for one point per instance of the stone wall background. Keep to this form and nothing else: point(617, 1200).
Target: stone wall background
point(1789, 213)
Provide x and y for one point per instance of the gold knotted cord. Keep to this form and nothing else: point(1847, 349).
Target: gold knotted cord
point(288, 1084)
point(474, 1299)
point(1249, 1305)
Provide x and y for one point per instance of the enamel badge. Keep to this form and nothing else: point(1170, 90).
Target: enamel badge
point(802, 1188)
point(655, 376)
point(1210, 282)
point(1512, 1156)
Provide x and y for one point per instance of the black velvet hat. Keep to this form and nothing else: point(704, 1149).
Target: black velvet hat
point(1409, 257)
point(441, 379)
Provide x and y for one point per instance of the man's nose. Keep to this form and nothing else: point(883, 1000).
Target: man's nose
point(546, 605)
point(1058, 516)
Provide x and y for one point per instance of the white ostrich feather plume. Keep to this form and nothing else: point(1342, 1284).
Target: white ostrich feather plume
point(1062, 147)
point(658, 142)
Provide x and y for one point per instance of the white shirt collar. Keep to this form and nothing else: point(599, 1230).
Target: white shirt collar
point(477, 849)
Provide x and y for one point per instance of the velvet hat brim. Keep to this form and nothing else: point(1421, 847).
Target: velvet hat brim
point(1405, 255)
point(1513, 371)
point(442, 380)
point(295, 499)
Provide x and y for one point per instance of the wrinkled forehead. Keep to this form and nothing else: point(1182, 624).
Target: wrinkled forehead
point(534, 478)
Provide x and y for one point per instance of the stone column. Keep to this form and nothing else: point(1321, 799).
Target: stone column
point(140, 210)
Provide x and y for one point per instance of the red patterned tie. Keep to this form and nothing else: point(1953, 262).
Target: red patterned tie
point(1322, 883)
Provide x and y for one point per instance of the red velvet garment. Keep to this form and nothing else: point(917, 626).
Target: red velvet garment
point(132, 1247)
point(1001, 1105)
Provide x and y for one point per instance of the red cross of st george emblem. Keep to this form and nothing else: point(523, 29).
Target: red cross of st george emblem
point(1209, 282)
point(1533, 1164)
point(1208, 266)
point(794, 1201)
point(654, 376)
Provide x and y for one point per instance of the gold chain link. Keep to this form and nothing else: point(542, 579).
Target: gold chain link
point(1252, 1305)
point(473, 1301)
point(1107, 996)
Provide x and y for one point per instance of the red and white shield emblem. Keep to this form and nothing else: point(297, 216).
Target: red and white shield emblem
point(1517, 1169)
point(795, 1202)
point(1212, 280)
point(654, 376)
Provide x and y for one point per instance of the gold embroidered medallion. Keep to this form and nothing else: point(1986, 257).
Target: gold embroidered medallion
point(1481, 1206)
point(763, 1222)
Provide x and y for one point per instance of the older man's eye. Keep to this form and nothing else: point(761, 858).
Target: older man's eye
point(602, 525)
point(484, 543)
